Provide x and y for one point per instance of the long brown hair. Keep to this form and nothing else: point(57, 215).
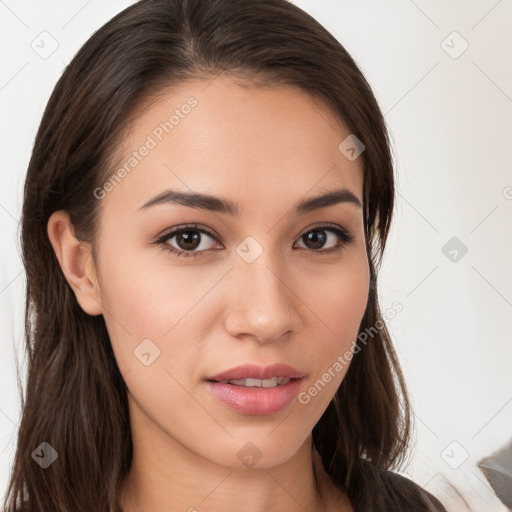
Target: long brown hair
point(75, 397)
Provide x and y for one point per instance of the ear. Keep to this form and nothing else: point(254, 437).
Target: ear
point(75, 259)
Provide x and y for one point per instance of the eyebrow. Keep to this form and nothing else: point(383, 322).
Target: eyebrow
point(217, 204)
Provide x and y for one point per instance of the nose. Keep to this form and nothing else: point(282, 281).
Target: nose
point(265, 305)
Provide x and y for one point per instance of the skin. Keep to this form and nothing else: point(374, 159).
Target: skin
point(264, 149)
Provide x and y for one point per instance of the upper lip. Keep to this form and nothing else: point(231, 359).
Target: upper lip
point(253, 371)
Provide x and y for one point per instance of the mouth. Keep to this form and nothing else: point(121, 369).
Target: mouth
point(257, 383)
point(256, 390)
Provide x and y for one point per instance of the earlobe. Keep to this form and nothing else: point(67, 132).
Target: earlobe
point(75, 259)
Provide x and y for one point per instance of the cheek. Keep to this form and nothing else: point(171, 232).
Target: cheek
point(145, 291)
point(338, 300)
point(143, 300)
point(344, 303)
point(152, 324)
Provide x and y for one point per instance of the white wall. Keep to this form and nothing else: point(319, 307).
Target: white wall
point(451, 124)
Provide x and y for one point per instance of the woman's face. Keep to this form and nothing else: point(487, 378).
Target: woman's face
point(262, 283)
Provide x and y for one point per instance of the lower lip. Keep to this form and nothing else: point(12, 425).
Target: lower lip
point(253, 400)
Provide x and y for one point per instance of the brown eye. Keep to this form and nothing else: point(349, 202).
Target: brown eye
point(189, 241)
point(317, 238)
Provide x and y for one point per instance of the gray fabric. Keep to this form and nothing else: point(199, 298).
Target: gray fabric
point(497, 468)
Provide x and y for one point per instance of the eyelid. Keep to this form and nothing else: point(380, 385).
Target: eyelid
point(327, 225)
point(180, 229)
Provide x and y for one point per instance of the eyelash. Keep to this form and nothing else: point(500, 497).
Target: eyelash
point(345, 238)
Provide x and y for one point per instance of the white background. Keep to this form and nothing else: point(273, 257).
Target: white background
point(451, 125)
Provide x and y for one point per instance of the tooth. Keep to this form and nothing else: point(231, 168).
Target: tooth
point(236, 382)
point(269, 383)
point(247, 382)
point(258, 383)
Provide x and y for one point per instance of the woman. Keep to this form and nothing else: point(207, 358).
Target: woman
point(206, 206)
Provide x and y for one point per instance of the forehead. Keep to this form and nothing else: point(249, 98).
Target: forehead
point(252, 145)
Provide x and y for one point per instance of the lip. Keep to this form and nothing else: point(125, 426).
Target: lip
point(254, 400)
point(253, 371)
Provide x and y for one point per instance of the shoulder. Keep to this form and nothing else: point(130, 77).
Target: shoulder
point(379, 489)
point(426, 500)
